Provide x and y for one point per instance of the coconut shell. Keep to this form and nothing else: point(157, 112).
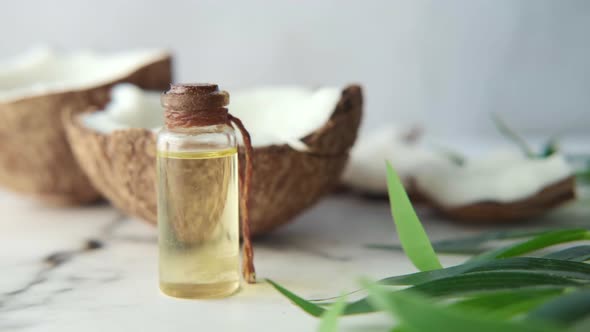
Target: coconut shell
point(122, 166)
point(527, 208)
point(36, 158)
point(338, 135)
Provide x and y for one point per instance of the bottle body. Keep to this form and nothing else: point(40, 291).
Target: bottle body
point(198, 211)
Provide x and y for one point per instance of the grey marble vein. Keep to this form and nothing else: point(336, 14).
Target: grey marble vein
point(53, 261)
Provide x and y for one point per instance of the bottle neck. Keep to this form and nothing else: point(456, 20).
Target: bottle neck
point(186, 118)
point(195, 105)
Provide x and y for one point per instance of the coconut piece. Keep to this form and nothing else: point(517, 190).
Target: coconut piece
point(36, 159)
point(502, 187)
point(290, 174)
point(365, 173)
point(535, 205)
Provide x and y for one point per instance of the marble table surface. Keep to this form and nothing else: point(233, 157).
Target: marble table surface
point(93, 269)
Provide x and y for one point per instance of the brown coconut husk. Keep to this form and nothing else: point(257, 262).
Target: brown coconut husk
point(36, 158)
point(548, 198)
point(121, 165)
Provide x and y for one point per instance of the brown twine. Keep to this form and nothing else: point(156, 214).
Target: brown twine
point(248, 268)
point(207, 117)
point(184, 119)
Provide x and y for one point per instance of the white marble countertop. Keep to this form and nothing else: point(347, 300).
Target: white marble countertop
point(51, 281)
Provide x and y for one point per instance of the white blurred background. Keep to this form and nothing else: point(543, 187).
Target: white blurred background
point(443, 64)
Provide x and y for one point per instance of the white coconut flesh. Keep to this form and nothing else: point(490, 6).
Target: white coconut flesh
point(503, 176)
point(273, 116)
point(365, 171)
point(42, 70)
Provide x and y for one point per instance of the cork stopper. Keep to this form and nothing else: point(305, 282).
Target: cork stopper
point(194, 97)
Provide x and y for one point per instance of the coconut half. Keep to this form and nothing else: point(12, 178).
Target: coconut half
point(502, 187)
point(34, 90)
point(301, 139)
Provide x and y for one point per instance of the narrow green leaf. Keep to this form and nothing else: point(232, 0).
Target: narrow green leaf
point(583, 176)
point(426, 276)
point(551, 147)
point(577, 253)
point(419, 314)
point(459, 250)
point(566, 309)
point(361, 306)
point(351, 308)
point(411, 234)
point(581, 326)
point(329, 322)
point(553, 267)
point(510, 134)
point(310, 308)
point(474, 244)
point(547, 266)
point(479, 241)
point(399, 329)
point(520, 306)
point(481, 282)
point(507, 304)
point(538, 242)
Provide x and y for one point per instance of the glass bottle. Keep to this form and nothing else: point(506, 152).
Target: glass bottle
point(198, 198)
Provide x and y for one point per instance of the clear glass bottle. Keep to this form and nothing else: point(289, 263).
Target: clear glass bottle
point(198, 198)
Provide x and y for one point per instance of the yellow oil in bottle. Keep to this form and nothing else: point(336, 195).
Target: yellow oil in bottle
point(198, 223)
